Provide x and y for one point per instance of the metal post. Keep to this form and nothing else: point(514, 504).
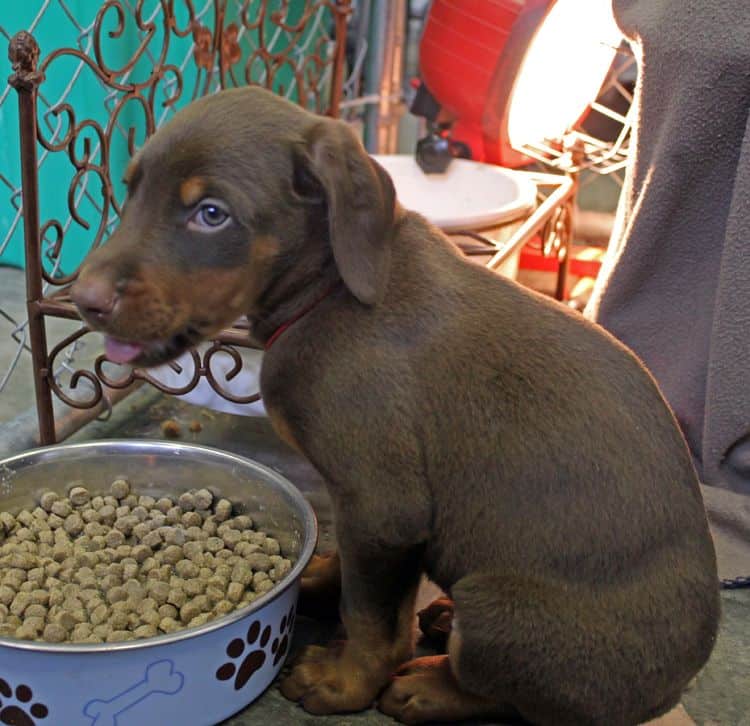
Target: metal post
point(23, 53)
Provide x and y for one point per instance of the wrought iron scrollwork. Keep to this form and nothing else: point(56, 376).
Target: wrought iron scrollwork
point(129, 53)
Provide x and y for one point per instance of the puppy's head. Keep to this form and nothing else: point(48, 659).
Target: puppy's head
point(238, 203)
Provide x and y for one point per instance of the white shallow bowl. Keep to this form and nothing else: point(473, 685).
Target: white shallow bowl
point(469, 195)
point(194, 677)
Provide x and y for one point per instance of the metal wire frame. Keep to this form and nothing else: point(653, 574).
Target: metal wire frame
point(214, 53)
point(598, 156)
point(552, 221)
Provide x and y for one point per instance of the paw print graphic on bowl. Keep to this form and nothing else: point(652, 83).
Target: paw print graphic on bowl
point(21, 712)
point(255, 650)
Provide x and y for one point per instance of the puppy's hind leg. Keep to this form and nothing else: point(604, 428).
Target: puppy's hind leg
point(564, 653)
point(427, 690)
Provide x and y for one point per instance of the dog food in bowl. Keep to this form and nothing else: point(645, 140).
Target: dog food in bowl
point(122, 566)
point(196, 675)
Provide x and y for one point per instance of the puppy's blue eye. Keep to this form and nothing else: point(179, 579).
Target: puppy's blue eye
point(209, 216)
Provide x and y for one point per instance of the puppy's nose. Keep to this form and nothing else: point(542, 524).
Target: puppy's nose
point(95, 297)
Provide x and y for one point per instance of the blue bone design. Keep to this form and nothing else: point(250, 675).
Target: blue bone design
point(160, 677)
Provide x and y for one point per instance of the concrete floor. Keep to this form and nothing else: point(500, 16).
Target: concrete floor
point(721, 694)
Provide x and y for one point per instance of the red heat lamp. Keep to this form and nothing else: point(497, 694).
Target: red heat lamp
point(508, 81)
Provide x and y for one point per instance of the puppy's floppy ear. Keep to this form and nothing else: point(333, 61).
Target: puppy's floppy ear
point(332, 166)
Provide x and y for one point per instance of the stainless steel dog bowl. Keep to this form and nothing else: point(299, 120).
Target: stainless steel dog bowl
point(198, 676)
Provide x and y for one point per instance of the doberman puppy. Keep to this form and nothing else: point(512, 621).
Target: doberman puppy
point(468, 429)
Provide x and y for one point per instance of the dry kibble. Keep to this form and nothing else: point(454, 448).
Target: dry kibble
point(125, 524)
point(121, 552)
point(263, 586)
point(54, 633)
point(152, 539)
point(193, 550)
point(135, 591)
point(203, 499)
point(164, 504)
point(145, 631)
point(259, 561)
point(114, 538)
point(107, 514)
point(73, 524)
point(6, 594)
point(150, 617)
point(115, 567)
point(91, 515)
point(271, 547)
point(173, 535)
point(66, 619)
point(214, 544)
point(177, 597)
point(242, 573)
point(94, 529)
point(140, 513)
point(223, 510)
point(120, 488)
point(201, 619)
point(258, 579)
point(159, 591)
point(235, 592)
point(26, 631)
point(172, 554)
point(117, 636)
point(24, 534)
point(168, 625)
point(62, 508)
point(47, 500)
point(141, 553)
point(34, 610)
point(130, 501)
point(232, 538)
point(194, 586)
point(223, 607)
point(174, 515)
point(196, 534)
point(119, 620)
point(20, 560)
point(79, 496)
point(186, 500)
point(167, 611)
point(141, 530)
point(192, 519)
point(115, 594)
point(186, 568)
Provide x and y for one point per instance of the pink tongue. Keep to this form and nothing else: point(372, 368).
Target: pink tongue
point(118, 351)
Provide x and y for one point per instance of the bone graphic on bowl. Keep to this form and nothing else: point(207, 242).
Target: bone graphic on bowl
point(160, 677)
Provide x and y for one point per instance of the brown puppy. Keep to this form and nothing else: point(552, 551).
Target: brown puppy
point(467, 428)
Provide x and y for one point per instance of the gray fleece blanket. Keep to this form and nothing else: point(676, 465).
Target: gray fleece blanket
point(676, 284)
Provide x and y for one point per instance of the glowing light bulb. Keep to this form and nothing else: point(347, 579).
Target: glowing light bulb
point(563, 71)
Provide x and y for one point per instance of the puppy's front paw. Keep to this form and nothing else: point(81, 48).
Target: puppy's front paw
point(325, 680)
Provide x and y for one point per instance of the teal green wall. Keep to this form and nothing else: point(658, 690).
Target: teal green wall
point(87, 97)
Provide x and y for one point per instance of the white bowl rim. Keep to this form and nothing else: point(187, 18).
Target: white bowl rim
point(158, 446)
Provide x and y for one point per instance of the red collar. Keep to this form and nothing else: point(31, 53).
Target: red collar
point(288, 324)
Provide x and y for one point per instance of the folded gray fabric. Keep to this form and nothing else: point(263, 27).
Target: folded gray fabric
point(676, 284)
